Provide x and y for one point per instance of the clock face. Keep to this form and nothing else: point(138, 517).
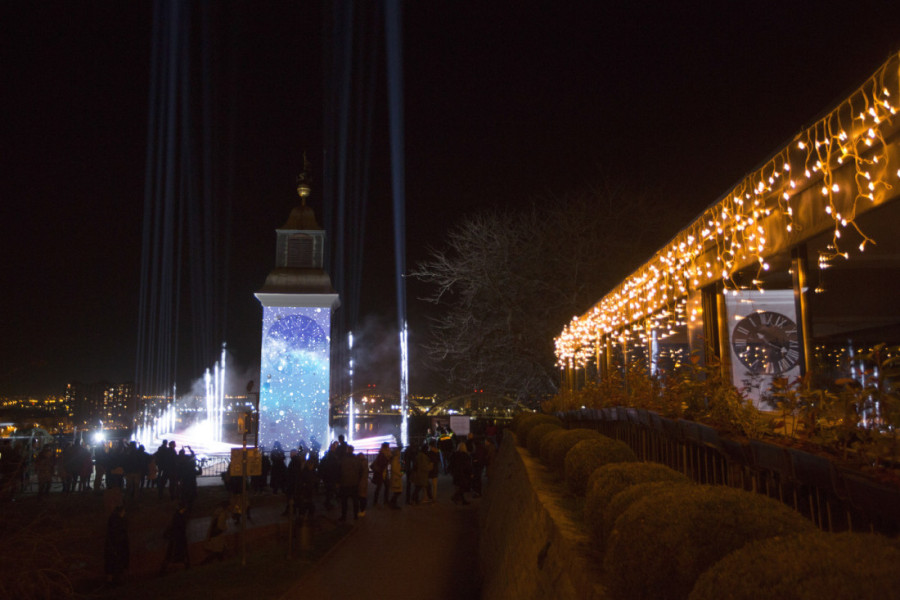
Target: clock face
point(766, 342)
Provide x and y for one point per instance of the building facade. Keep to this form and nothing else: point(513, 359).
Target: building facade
point(111, 404)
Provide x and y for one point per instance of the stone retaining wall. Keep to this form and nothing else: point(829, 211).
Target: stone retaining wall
point(530, 545)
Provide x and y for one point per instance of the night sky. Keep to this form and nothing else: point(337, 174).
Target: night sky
point(506, 103)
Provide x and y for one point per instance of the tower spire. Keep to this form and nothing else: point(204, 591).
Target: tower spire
point(298, 301)
point(304, 181)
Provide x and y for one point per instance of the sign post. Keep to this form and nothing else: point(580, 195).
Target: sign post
point(250, 464)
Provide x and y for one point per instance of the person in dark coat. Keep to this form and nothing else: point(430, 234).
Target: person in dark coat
point(101, 467)
point(165, 462)
point(294, 471)
point(44, 467)
point(188, 471)
point(421, 469)
point(68, 467)
point(461, 469)
point(445, 445)
point(278, 476)
point(396, 479)
point(379, 473)
point(351, 471)
point(177, 546)
point(330, 472)
point(435, 456)
point(116, 553)
point(409, 462)
point(304, 507)
point(258, 482)
point(363, 489)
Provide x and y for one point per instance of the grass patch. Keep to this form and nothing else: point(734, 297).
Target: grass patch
point(268, 573)
point(54, 549)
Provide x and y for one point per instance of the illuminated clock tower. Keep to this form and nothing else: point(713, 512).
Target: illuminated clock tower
point(297, 301)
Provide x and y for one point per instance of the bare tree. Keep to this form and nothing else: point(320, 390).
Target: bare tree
point(507, 281)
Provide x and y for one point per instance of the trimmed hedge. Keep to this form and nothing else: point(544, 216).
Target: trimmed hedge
point(559, 446)
point(662, 543)
point(517, 419)
point(608, 481)
point(537, 434)
point(531, 421)
point(624, 499)
point(814, 566)
point(588, 455)
point(547, 442)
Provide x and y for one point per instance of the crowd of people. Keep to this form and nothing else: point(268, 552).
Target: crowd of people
point(345, 475)
point(130, 468)
point(78, 468)
point(341, 478)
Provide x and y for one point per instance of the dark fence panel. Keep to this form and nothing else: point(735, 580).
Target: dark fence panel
point(835, 499)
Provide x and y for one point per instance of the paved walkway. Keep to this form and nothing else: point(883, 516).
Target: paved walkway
point(427, 551)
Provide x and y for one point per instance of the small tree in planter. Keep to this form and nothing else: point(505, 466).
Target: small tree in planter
point(839, 425)
point(732, 411)
point(788, 396)
point(686, 391)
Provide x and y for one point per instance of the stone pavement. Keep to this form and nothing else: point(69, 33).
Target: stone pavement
point(427, 551)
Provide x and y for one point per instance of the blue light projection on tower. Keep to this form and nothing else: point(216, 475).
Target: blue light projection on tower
point(295, 370)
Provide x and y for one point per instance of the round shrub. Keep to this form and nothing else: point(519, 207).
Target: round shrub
point(547, 442)
point(662, 543)
point(605, 482)
point(536, 434)
point(587, 455)
point(604, 522)
point(559, 446)
point(517, 419)
point(813, 566)
point(533, 420)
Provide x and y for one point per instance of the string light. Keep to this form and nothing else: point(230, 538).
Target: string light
point(736, 229)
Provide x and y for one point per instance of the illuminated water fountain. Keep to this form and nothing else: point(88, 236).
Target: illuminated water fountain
point(215, 399)
point(204, 436)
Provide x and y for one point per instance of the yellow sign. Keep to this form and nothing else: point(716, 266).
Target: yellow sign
point(254, 462)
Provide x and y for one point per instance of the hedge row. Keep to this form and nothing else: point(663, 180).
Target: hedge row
point(664, 541)
point(530, 421)
point(559, 446)
point(607, 482)
point(537, 434)
point(545, 438)
point(663, 537)
point(548, 442)
point(812, 566)
point(591, 455)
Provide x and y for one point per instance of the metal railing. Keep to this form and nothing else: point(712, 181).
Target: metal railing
point(833, 497)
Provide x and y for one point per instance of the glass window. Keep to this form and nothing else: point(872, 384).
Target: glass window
point(854, 298)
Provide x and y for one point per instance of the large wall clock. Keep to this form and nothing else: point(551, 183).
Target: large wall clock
point(766, 342)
